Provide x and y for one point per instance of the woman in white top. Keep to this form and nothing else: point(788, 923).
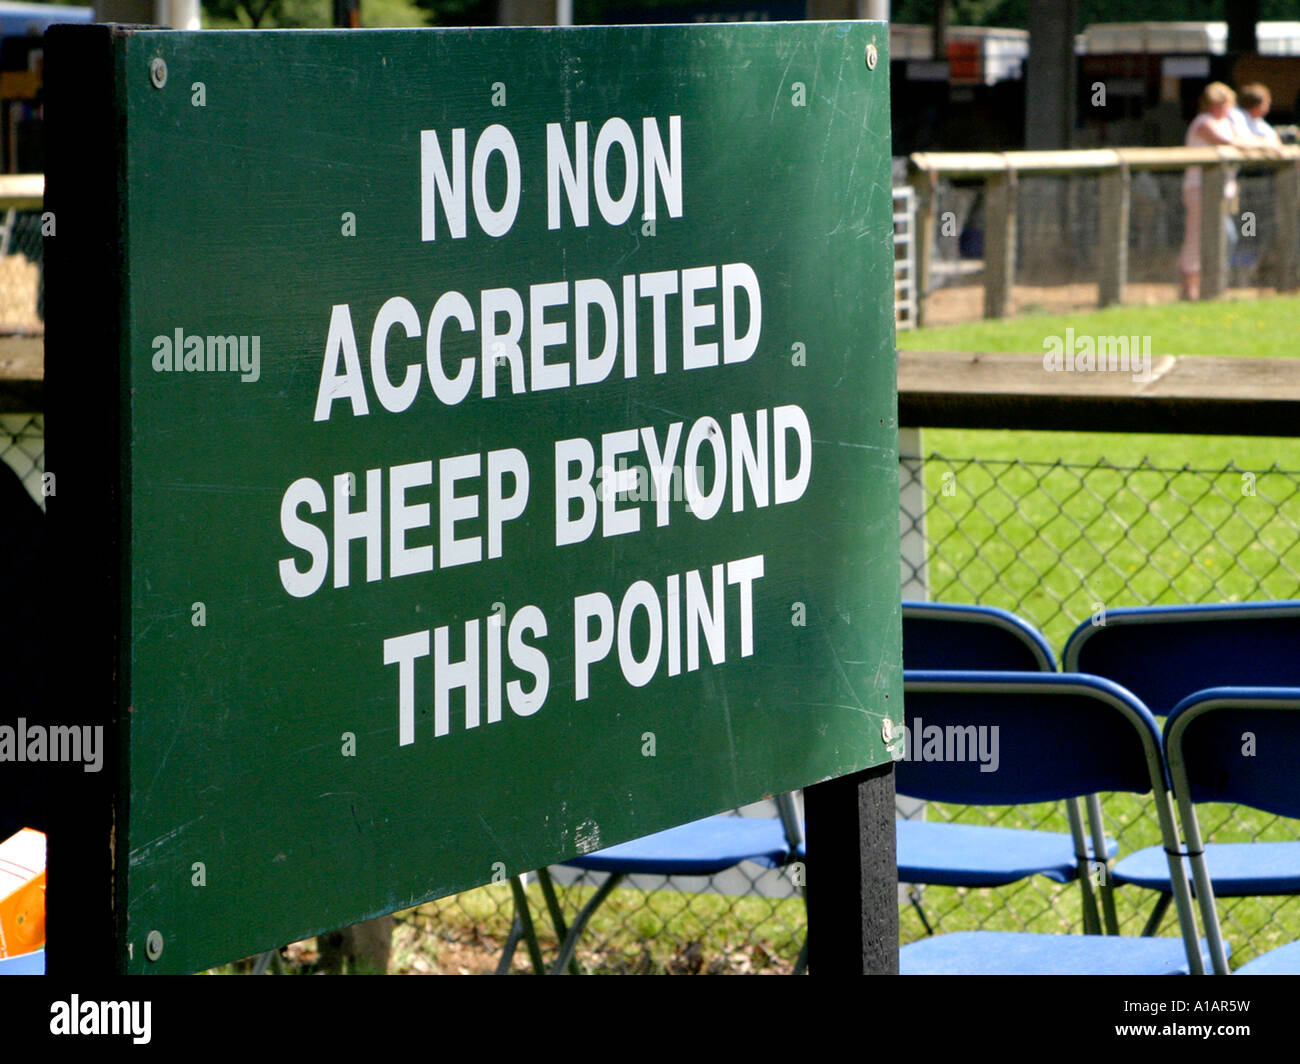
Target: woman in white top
point(1212, 126)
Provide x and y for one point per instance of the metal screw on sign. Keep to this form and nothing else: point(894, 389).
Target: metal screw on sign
point(872, 57)
point(153, 943)
point(158, 75)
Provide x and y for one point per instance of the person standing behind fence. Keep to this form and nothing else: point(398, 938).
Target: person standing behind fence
point(1211, 127)
point(1253, 103)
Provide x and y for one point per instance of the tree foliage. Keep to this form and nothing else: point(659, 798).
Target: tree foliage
point(458, 12)
point(1015, 13)
point(244, 12)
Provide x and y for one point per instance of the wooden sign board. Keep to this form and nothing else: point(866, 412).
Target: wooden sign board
point(498, 432)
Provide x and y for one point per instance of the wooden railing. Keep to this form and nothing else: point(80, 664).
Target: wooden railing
point(22, 192)
point(1186, 394)
point(22, 358)
point(999, 172)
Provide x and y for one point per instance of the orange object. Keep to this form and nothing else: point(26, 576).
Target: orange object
point(964, 62)
point(22, 893)
point(20, 84)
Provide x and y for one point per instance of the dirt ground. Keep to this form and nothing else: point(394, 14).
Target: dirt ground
point(19, 278)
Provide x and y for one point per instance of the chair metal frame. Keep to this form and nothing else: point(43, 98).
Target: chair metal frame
point(1196, 708)
point(1098, 900)
point(1145, 729)
point(1173, 616)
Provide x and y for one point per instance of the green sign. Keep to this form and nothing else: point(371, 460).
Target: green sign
point(508, 453)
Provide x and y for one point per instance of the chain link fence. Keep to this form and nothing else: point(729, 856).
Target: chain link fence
point(22, 448)
point(748, 920)
point(1053, 542)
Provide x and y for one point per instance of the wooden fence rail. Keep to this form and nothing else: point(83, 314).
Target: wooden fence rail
point(999, 171)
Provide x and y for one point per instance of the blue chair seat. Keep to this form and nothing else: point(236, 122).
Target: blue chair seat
point(1026, 953)
point(1237, 869)
point(975, 855)
point(702, 848)
point(1285, 960)
point(24, 964)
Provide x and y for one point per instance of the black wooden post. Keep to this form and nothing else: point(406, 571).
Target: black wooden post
point(84, 395)
point(852, 875)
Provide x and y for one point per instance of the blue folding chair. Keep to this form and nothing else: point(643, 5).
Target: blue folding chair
point(1059, 736)
point(1163, 654)
point(1242, 745)
point(935, 853)
point(939, 635)
point(702, 848)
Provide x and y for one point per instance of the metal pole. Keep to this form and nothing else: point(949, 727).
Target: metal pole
point(178, 14)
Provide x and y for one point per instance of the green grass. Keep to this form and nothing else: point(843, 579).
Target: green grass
point(317, 14)
point(1265, 328)
point(1038, 524)
point(1262, 329)
point(1258, 329)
